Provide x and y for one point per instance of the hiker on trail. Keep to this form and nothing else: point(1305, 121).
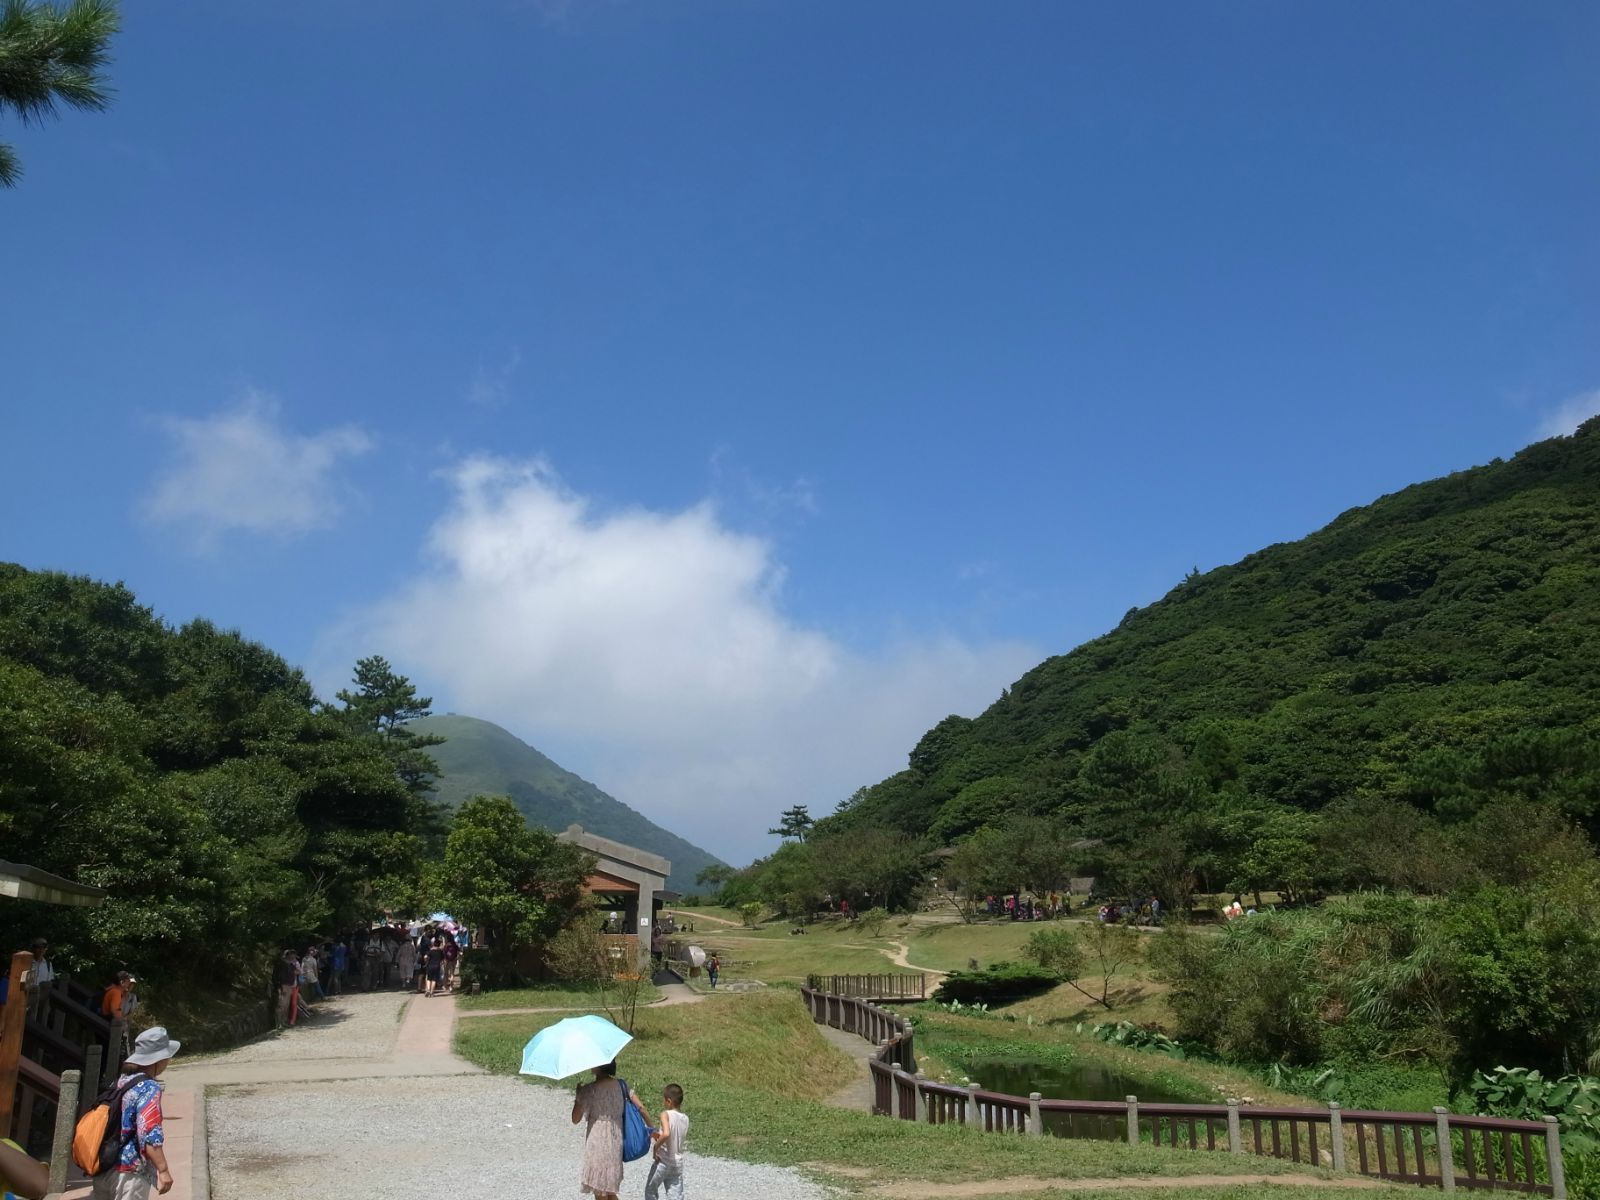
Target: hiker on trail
point(713, 969)
point(44, 975)
point(666, 1168)
point(408, 963)
point(435, 966)
point(118, 1000)
point(340, 960)
point(311, 971)
point(286, 978)
point(142, 1160)
point(600, 1103)
point(452, 963)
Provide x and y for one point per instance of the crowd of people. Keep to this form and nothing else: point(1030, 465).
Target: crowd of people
point(423, 957)
point(1023, 907)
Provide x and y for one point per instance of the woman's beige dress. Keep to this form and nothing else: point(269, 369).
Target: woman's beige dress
point(602, 1103)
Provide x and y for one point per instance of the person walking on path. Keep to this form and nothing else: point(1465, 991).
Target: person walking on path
point(286, 977)
point(713, 969)
point(44, 974)
point(142, 1157)
point(666, 1169)
point(435, 962)
point(408, 964)
point(600, 1103)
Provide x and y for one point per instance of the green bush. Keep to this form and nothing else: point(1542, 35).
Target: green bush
point(1002, 982)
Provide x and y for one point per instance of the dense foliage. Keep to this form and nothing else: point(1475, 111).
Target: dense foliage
point(193, 774)
point(868, 868)
point(1490, 974)
point(513, 883)
point(1314, 716)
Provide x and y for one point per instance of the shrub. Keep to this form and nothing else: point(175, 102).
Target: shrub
point(993, 985)
point(871, 921)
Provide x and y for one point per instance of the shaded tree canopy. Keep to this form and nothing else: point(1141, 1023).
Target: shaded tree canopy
point(193, 774)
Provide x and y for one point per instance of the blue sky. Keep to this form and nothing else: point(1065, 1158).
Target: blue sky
point(718, 394)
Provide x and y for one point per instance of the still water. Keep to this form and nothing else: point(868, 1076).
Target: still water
point(1069, 1081)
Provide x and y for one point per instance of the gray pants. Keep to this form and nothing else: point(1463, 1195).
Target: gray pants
point(125, 1185)
point(664, 1181)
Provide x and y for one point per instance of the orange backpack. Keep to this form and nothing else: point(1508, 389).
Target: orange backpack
point(97, 1139)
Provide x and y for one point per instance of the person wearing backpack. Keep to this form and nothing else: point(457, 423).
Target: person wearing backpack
point(603, 1103)
point(140, 1159)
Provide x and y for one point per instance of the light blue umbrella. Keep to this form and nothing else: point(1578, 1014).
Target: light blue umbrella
point(571, 1045)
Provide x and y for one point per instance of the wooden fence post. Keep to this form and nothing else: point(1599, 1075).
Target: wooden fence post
point(66, 1123)
point(1336, 1133)
point(1133, 1120)
point(924, 1101)
point(1035, 1118)
point(1235, 1134)
point(1552, 1155)
point(969, 1111)
point(1447, 1161)
point(12, 1019)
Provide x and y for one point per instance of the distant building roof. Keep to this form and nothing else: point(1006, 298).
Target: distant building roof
point(22, 882)
point(634, 857)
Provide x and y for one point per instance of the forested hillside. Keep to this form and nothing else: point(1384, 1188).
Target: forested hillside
point(1429, 653)
point(193, 774)
point(478, 758)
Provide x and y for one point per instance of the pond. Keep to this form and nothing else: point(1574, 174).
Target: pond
point(1070, 1081)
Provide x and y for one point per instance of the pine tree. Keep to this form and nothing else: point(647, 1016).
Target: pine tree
point(51, 56)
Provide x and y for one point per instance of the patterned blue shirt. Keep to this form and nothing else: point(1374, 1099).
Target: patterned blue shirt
point(141, 1122)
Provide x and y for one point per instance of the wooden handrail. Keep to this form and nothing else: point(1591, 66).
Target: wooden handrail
point(1405, 1147)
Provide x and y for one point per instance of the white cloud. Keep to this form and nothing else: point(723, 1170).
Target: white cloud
point(1564, 419)
point(649, 651)
point(240, 470)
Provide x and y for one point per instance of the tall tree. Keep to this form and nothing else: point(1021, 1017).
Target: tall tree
point(516, 884)
point(793, 823)
point(51, 56)
point(381, 704)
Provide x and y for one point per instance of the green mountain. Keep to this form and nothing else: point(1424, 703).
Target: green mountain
point(1439, 647)
point(480, 758)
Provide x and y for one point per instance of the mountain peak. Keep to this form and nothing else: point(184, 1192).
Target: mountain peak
point(479, 758)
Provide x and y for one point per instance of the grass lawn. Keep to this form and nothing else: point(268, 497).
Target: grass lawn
point(551, 995)
point(946, 1042)
point(756, 1073)
point(938, 941)
point(771, 955)
point(1235, 1191)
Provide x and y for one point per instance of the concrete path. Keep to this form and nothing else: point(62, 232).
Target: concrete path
point(366, 1099)
point(856, 1094)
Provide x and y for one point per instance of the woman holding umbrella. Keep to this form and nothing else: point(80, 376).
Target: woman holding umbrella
point(601, 1102)
point(589, 1043)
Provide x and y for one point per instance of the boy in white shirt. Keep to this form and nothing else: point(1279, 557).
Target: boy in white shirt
point(666, 1172)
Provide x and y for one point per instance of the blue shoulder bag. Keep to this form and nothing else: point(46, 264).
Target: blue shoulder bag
point(635, 1133)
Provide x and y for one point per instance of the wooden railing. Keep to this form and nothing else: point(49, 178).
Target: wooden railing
point(1438, 1148)
point(889, 1032)
point(912, 986)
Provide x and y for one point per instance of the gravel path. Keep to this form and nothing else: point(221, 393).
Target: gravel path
point(419, 1139)
point(357, 1104)
point(360, 1025)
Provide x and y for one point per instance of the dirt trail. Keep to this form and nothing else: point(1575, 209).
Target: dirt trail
point(689, 914)
point(899, 958)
